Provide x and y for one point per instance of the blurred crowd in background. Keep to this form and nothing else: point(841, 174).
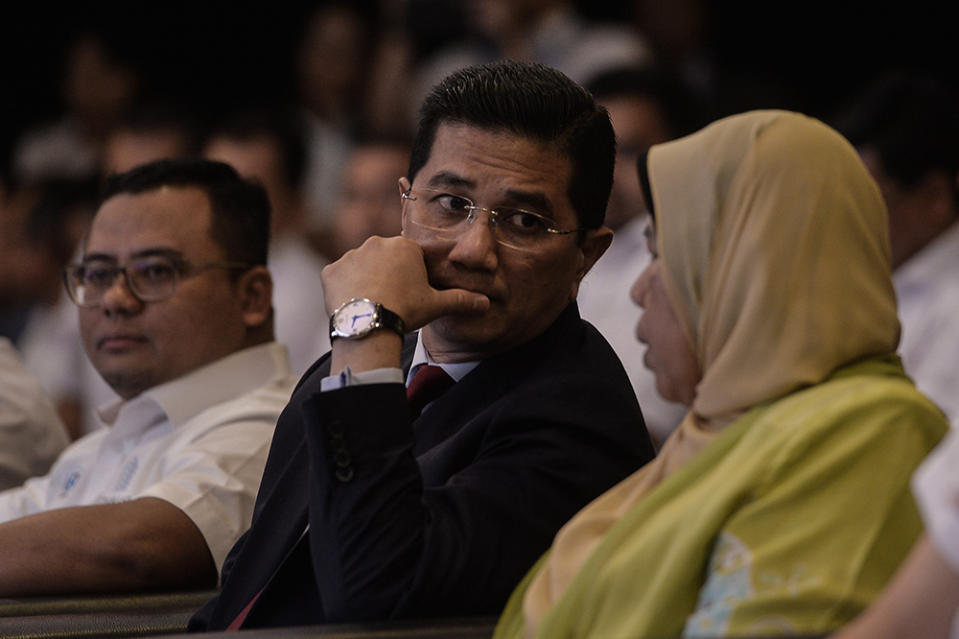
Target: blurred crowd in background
point(317, 100)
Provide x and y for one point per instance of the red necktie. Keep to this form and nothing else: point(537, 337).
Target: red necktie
point(240, 618)
point(428, 383)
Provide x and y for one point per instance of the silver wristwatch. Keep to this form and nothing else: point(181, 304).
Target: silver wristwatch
point(359, 317)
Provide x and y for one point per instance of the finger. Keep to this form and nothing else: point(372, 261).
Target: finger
point(457, 300)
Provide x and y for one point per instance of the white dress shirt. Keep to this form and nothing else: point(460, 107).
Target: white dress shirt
point(301, 320)
point(936, 487)
point(31, 433)
point(927, 291)
point(199, 442)
point(604, 301)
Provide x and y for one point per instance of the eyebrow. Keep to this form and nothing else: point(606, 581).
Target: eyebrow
point(522, 199)
point(528, 199)
point(448, 178)
point(151, 252)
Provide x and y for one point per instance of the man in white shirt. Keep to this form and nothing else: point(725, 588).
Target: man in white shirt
point(906, 128)
point(175, 313)
point(31, 433)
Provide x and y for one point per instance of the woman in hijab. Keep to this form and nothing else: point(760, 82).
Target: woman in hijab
point(781, 504)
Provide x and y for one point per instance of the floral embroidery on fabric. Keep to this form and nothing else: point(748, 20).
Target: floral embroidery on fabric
point(729, 583)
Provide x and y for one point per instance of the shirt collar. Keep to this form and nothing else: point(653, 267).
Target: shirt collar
point(457, 371)
point(238, 373)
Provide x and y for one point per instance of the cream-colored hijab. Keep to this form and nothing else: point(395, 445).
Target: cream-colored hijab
point(775, 254)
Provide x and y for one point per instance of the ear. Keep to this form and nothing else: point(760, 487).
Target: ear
point(255, 289)
point(593, 245)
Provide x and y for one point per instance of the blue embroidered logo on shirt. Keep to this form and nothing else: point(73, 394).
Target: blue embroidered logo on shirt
point(70, 482)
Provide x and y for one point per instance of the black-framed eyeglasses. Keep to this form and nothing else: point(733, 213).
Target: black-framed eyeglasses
point(150, 279)
point(448, 217)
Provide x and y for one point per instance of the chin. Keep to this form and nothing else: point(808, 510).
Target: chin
point(667, 392)
point(463, 328)
point(129, 383)
point(468, 334)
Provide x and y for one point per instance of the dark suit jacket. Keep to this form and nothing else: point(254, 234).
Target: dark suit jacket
point(442, 516)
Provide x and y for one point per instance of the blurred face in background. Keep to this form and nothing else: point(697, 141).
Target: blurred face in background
point(369, 204)
point(638, 124)
point(502, 18)
point(97, 87)
point(126, 148)
point(260, 158)
point(330, 61)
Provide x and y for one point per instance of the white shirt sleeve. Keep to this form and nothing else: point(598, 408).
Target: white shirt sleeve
point(936, 487)
point(31, 433)
point(349, 378)
point(214, 479)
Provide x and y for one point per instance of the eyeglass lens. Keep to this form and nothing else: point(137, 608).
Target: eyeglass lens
point(150, 279)
point(449, 215)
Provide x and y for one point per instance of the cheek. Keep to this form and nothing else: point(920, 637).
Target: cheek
point(558, 282)
point(530, 278)
point(86, 320)
point(663, 330)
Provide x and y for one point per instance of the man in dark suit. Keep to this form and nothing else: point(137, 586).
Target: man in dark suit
point(371, 510)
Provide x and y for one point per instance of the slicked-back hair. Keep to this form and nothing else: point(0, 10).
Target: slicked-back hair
point(240, 220)
point(532, 101)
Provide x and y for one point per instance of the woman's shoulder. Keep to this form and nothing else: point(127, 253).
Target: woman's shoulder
point(875, 388)
point(870, 405)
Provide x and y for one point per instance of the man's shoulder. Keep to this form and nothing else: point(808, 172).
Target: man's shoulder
point(86, 444)
point(258, 406)
point(255, 381)
point(570, 374)
point(571, 346)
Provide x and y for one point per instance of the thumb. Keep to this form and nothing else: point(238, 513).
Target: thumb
point(458, 300)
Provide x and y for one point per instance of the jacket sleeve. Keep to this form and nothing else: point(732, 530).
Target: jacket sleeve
point(383, 546)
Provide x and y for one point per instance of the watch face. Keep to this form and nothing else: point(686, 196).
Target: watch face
point(354, 318)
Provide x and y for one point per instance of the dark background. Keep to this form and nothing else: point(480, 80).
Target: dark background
point(802, 56)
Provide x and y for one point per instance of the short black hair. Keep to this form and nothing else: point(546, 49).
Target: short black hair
point(912, 120)
point(240, 208)
point(280, 124)
point(536, 102)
